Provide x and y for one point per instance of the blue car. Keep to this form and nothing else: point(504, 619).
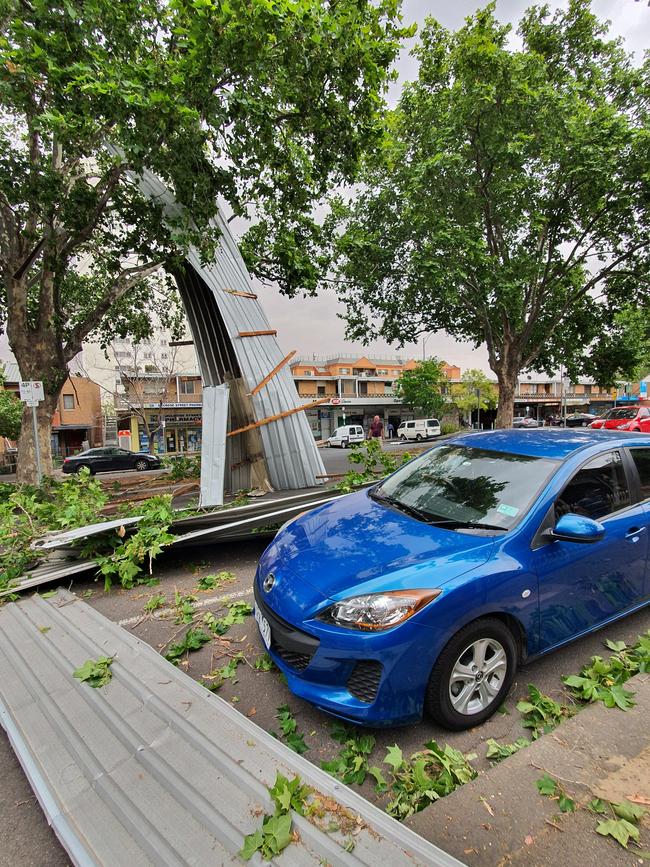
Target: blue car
point(423, 593)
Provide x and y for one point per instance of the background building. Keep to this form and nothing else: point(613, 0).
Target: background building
point(358, 388)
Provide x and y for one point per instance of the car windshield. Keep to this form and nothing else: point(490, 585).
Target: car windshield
point(629, 412)
point(459, 486)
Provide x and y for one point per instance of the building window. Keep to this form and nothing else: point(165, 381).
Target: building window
point(187, 386)
point(344, 370)
point(321, 391)
point(68, 401)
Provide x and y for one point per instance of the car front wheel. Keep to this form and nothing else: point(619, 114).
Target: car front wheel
point(472, 675)
point(85, 467)
point(141, 465)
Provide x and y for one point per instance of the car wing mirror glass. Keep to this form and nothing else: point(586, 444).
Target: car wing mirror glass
point(577, 528)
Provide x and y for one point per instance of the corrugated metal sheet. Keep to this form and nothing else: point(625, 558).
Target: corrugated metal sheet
point(213, 444)
point(226, 525)
point(10, 371)
point(153, 769)
point(217, 317)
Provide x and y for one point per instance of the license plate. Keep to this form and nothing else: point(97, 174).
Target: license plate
point(264, 627)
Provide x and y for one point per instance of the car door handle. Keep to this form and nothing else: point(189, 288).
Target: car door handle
point(634, 532)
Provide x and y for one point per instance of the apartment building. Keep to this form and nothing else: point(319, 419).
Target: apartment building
point(539, 396)
point(358, 388)
point(167, 406)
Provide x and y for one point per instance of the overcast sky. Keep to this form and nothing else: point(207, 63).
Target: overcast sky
point(312, 325)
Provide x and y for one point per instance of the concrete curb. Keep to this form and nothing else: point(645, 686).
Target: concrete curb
point(500, 818)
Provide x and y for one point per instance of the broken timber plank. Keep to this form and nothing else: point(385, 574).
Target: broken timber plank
point(276, 369)
point(240, 294)
point(278, 416)
point(270, 331)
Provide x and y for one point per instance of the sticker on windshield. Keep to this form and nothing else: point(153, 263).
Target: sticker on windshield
point(510, 511)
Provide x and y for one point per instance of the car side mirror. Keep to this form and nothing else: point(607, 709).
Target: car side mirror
point(577, 528)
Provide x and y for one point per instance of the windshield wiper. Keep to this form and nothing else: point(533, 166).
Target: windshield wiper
point(470, 525)
point(381, 497)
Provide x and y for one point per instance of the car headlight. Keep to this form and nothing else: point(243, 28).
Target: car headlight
point(373, 612)
point(625, 426)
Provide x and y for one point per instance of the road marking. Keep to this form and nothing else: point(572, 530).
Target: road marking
point(203, 603)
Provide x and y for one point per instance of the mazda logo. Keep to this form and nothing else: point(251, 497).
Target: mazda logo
point(269, 582)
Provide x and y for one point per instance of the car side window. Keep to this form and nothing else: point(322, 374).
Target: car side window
point(641, 458)
point(597, 489)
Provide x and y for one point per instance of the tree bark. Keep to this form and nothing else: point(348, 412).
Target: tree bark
point(26, 472)
point(507, 379)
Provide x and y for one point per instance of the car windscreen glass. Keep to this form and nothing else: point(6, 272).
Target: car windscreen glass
point(624, 412)
point(459, 485)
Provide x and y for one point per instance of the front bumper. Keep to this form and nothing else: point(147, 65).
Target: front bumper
point(374, 679)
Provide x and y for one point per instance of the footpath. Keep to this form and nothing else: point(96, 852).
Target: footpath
point(500, 818)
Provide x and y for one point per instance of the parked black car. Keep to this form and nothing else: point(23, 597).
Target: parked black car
point(110, 458)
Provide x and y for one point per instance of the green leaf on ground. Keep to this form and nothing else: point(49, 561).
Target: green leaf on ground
point(566, 804)
point(496, 752)
point(598, 806)
point(95, 672)
point(394, 757)
point(619, 829)
point(546, 785)
point(628, 811)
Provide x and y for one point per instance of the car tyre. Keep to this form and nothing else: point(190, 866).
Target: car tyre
point(85, 467)
point(344, 444)
point(141, 465)
point(402, 437)
point(495, 641)
point(418, 438)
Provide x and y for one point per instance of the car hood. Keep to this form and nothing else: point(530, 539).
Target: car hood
point(357, 545)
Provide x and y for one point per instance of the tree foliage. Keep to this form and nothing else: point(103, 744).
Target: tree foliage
point(266, 105)
point(11, 412)
point(464, 394)
point(511, 203)
point(421, 389)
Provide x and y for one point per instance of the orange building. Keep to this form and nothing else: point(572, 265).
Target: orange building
point(358, 388)
point(77, 419)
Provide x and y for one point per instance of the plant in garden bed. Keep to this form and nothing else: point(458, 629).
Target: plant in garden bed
point(603, 679)
point(428, 775)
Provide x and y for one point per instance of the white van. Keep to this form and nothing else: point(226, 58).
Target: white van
point(419, 429)
point(346, 435)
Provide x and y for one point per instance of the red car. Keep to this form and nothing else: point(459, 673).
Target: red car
point(634, 418)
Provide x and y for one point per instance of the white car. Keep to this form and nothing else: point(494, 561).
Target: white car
point(346, 435)
point(419, 429)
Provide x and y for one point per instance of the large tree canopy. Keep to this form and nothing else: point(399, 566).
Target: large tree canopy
point(266, 104)
point(511, 206)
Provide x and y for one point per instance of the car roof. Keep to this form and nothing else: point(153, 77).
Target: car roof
point(548, 442)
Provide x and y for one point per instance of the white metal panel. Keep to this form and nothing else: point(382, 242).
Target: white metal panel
point(213, 444)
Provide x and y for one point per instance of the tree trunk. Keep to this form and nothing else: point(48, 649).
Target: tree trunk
point(507, 379)
point(26, 472)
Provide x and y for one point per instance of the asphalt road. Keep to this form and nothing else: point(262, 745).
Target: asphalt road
point(24, 836)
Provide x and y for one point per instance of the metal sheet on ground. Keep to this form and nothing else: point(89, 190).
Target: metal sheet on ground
point(152, 768)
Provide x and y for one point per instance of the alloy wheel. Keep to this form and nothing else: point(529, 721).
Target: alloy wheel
point(477, 676)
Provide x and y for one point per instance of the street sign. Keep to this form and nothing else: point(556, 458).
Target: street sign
point(31, 390)
point(335, 401)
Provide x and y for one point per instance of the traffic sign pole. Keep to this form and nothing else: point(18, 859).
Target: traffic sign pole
point(37, 447)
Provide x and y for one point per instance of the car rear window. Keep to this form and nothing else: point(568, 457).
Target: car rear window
point(432, 422)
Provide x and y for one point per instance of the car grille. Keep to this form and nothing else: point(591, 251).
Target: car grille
point(299, 661)
point(363, 683)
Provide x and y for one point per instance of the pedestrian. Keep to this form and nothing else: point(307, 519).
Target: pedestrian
point(376, 428)
point(390, 429)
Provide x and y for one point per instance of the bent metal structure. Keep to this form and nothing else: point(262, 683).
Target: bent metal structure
point(255, 432)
